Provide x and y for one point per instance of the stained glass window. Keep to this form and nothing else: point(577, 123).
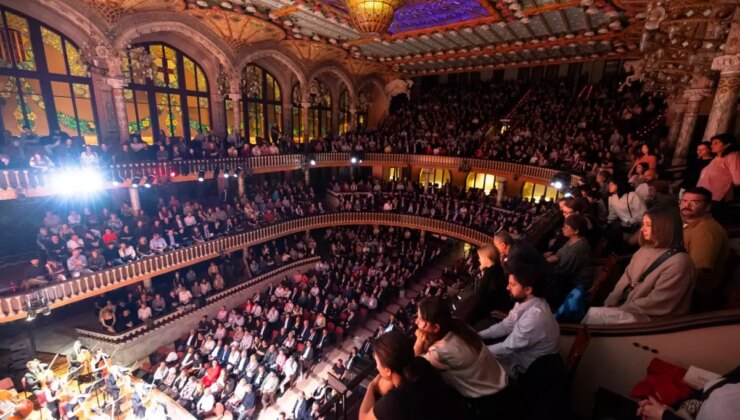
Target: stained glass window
point(485, 182)
point(176, 102)
point(319, 116)
point(263, 105)
point(42, 84)
point(296, 100)
point(436, 178)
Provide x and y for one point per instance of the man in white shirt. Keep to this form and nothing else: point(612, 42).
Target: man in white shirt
point(157, 244)
point(530, 329)
point(205, 403)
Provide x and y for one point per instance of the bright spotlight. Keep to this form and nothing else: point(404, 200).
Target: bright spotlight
point(557, 184)
point(561, 181)
point(173, 173)
point(135, 182)
point(148, 182)
point(117, 181)
point(312, 162)
point(81, 181)
point(201, 175)
point(353, 160)
point(226, 172)
point(568, 195)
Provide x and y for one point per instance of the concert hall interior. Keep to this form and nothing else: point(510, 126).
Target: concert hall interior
point(370, 209)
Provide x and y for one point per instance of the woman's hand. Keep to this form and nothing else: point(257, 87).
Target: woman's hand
point(651, 409)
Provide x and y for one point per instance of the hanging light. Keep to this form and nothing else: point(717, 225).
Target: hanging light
point(372, 17)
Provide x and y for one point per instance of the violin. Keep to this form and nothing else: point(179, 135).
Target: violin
point(14, 408)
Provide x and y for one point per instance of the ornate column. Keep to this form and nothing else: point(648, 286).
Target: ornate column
point(500, 192)
point(694, 97)
point(304, 121)
point(135, 202)
point(678, 109)
point(236, 99)
point(352, 119)
point(725, 98)
point(240, 184)
point(117, 84)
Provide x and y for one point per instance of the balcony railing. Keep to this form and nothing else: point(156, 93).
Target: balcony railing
point(63, 293)
point(35, 182)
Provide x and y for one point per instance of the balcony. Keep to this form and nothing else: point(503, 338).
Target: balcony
point(58, 294)
point(33, 183)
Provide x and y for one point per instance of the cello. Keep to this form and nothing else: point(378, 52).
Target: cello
point(17, 408)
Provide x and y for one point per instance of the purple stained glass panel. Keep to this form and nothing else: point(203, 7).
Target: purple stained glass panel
point(420, 14)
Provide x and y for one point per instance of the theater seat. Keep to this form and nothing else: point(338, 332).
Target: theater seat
point(299, 347)
point(330, 327)
point(542, 390)
point(605, 278)
point(339, 334)
point(577, 349)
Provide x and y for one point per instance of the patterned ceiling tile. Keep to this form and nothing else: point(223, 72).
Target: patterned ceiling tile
point(314, 52)
point(420, 14)
point(113, 10)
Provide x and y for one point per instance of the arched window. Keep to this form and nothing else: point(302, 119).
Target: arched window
point(485, 182)
point(319, 113)
point(263, 103)
point(345, 118)
point(438, 178)
point(537, 192)
point(175, 101)
point(363, 103)
point(296, 99)
point(42, 84)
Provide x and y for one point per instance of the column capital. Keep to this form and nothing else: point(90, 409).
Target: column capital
point(697, 94)
point(352, 110)
point(306, 105)
point(116, 82)
point(235, 96)
point(727, 65)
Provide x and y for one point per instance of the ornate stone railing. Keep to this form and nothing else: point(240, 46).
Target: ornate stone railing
point(63, 293)
point(32, 182)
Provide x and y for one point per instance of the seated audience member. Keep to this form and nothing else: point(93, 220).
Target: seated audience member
point(706, 242)
point(77, 264)
point(722, 174)
point(530, 329)
point(455, 349)
point(407, 387)
point(573, 259)
point(503, 241)
point(659, 279)
point(625, 212)
point(492, 282)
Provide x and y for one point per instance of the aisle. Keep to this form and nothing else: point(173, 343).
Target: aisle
point(321, 370)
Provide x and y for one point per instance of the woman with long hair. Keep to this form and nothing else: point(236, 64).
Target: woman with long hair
point(625, 212)
point(407, 387)
point(722, 175)
point(458, 352)
point(659, 279)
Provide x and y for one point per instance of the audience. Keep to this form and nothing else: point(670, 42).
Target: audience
point(659, 279)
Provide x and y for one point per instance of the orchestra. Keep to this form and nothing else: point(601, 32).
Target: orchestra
point(70, 396)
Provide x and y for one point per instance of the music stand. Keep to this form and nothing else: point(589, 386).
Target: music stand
point(75, 375)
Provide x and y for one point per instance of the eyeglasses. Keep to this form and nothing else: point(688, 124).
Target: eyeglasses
point(691, 203)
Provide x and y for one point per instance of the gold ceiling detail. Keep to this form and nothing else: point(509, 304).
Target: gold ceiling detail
point(238, 30)
point(363, 67)
point(313, 52)
point(113, 10)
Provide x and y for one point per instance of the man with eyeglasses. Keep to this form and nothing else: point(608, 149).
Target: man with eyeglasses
point(706, 242)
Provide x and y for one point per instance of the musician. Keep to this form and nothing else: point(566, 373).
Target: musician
point(73, 407)
point(50, 389)
point(111, 387)
point(33, 377)
point(137, 403)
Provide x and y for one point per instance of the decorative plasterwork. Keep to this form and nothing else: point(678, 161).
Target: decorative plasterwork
point(363, 67)
point(113, 10)
point(313, 52)
point(238, 29)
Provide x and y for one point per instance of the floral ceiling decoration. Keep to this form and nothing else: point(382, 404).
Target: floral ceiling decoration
point(424, 37)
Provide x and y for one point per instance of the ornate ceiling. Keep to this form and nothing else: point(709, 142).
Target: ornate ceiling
point(426, 37)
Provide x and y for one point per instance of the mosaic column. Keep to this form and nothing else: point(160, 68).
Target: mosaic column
point(236, 99)
point(304, 122)
point(117, 84)
point(678, 109)
point(725, 99)
point(352, 119)
point(135, 202)
point(694, 98)
point(500, 192)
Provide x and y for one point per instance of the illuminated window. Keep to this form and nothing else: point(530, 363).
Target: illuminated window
point(264, 108)
point(319, 114)
point(392, 173)
point(437, 177)
point(345, 118)
point(42, 84)
point(176, 102)
point(485, 182)
point(536, 192)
